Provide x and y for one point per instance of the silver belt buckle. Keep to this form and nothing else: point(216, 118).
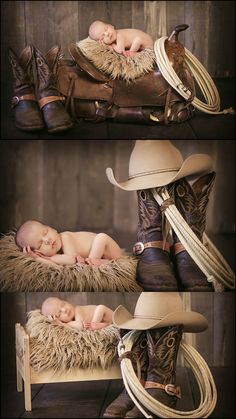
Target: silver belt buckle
point(138, 248)
point(15, 100)
point(168, 388)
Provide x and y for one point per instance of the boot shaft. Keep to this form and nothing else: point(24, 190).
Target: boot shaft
point(150, 217)
point(152, 224)
point(22, 71)
point(139, 353)
point(192, 201)
point(163, 346)
point(46, 70)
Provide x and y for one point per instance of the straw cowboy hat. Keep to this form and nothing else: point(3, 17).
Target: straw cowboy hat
point(159, 309)
point(155, 163)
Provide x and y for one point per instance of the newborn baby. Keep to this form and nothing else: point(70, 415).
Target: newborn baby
point(41, 241)
point(124, 41)
point(78, 317)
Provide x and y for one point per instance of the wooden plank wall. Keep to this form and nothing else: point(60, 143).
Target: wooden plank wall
point(63, 183)
point(45, 23)
point(216, 344)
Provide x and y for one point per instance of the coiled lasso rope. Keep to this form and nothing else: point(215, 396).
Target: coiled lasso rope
point(211, 262)
point(201, 371)
point(202, 77)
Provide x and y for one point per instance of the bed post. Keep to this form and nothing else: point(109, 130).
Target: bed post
point(23, 364)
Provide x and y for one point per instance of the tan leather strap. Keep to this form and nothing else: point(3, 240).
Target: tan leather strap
point(16, 99)
point(139, 247)
point(170, 389)
point(177, 248)
point(48, 99)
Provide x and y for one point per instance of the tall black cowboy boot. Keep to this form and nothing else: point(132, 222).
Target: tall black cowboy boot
point(191, 201)
point(154, 269)
point(49, 99)
point(163, 346)
point(27, 113)
point(123, 403)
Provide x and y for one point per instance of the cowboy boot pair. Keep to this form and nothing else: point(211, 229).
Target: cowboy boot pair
point(34, 86)
point(155, 271)
point(158, 371)
point(123, 403)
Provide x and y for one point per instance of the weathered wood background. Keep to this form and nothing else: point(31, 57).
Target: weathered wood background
point(216, 344)
point(45, 23)
point(63, 183)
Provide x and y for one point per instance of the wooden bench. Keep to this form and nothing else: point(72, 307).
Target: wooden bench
point(26, 373)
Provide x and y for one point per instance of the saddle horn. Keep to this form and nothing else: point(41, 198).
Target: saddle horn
point(174, 35)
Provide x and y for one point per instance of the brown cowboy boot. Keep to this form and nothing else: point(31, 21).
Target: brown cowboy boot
point(27, 113)
point(163, 345)
point(123, 403)
point(49, 99)
point(154, 269)
point(191, 201)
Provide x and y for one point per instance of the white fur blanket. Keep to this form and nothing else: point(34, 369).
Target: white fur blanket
point(62, 348)
point(117, 65)
point(23, 273)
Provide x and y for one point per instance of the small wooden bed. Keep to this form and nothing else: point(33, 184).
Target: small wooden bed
point(25, 373)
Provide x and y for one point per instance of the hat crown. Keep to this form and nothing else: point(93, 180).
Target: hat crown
point(152, 156)
point(157, 305)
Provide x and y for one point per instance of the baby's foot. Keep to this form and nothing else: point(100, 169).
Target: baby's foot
point(129, 53)
point(97, 325)
point(80, 260)
point(95, 261)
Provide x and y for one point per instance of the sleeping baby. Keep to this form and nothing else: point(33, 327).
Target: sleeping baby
point(78, 317)
point(124, 41)
point(46, 244)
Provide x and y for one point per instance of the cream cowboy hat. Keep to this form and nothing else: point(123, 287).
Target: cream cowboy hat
point(155, 163)
point(159, 309)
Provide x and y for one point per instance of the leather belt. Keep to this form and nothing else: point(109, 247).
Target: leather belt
point(177, 248)
point(16, 99)
point(139, 247)
point(48, 99)
point(170, 389)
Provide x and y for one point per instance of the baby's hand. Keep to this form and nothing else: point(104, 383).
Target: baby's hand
point(55, 319)
point(32, 253)
point(86, 325)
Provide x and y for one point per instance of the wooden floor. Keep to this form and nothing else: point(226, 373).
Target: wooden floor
point(201, 126)
point(90, 399)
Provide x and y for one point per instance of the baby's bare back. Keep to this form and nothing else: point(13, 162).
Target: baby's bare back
point(85, 313)
point(128, 36)
point(77, 243)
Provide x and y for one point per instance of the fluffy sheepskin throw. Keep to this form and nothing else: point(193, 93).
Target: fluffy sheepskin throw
point(117, 65)
point(62, 348)
point(23, 273)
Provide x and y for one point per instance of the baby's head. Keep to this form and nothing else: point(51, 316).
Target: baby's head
point(54, 307)
point(101, 31)
point(39, 237)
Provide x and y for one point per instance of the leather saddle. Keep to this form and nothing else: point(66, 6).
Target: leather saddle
point(149, 99)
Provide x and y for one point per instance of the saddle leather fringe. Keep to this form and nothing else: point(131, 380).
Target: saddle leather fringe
point(117, 65)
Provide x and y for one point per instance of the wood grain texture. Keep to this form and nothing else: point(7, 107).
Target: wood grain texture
point(45, 23)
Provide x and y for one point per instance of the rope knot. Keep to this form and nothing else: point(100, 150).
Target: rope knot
point(166, 203)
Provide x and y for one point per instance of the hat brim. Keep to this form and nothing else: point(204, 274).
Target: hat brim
point(195, 164)
point(192, 322)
